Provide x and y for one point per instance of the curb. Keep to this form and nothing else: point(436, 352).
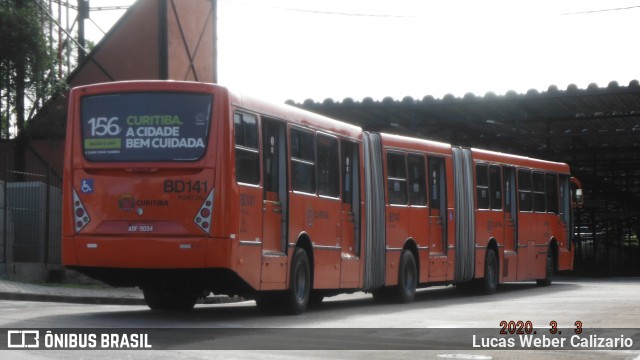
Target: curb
point(103, 300)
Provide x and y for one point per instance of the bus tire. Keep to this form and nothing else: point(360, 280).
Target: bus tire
point(548, 271)
point(490, 281)
point(407, 278)
point(297, 297)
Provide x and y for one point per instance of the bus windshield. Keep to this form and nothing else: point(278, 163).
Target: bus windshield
point(145, 126)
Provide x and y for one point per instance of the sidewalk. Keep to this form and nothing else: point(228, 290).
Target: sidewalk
point(12, 290)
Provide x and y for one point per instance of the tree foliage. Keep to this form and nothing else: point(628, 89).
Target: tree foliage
point(24, 59)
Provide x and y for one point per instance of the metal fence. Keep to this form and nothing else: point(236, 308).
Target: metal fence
point(607, 244)
point(30, 212)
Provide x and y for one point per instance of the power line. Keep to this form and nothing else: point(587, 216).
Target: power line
point(326, 12)
point(602, 10)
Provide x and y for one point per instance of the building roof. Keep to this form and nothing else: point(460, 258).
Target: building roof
point(595, 130)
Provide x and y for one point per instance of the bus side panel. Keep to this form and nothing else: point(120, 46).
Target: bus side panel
point(565, 258)
point(247, 263)
point(527, 231)
point(419, 231)
point(397, 233)
point(322, 216)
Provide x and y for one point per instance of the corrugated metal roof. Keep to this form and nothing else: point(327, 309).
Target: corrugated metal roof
point(596, 130)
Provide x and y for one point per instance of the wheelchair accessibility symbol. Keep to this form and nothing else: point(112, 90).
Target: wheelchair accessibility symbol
point(87, 186)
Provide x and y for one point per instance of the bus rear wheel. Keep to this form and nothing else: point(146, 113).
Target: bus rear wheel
point(297, 297)
point(490, 281)
point(407, 278)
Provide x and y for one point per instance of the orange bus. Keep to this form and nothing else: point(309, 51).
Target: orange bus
point(185, 189)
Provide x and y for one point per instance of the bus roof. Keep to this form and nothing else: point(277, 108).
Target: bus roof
point(410, 143)
point(295, 115)
point(503, 158)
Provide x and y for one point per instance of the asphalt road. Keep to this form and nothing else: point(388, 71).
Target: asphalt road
point(355, 322)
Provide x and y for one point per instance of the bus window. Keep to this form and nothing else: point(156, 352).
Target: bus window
point(348, 163)
point(482, 186)
point(417, 180)
point(565, 208)
point(396, 179)
point(273, 156)
point(145, 126)
point(247, 154)
point(551, 181)
point(524, 190)
point(303, 161)
point(438, 180)
point(328, 165)
point(495, 187)
point(538, 193)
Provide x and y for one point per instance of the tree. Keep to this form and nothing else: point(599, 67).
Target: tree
point(24, 59)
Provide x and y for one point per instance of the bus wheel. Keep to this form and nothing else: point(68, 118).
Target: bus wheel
point(407, 278)
point(297, 297)
point(170, 298)
point(548, 271)
point(490, 281)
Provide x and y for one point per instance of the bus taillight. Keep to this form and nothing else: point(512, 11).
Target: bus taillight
point(80, 214)
point(203, 217)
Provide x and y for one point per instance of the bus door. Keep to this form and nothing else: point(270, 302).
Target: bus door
point(350, 215)
point(510, 224)
point(527, 226)
point(437, 218)
point(419, 212)
point(275, 203)
point(565, 255)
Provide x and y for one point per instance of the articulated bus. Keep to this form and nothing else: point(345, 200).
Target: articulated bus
point(185, 189)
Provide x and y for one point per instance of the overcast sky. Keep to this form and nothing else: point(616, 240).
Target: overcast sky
point(286, 49)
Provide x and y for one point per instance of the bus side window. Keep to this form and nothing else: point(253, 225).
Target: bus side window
point(303, 161)
point(437, 181)
point(417, 180)
point(328, 166)
point(482, 186)
point(539, 195)
point(524, 190)
point(551, 181)
point(495, 187)
point(396, 179)
point(246, 145)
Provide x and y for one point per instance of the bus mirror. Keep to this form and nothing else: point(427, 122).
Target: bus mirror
point(579, 198)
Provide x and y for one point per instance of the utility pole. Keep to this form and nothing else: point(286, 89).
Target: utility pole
point(21, 74)
point(83, 14)
point(214, 15)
